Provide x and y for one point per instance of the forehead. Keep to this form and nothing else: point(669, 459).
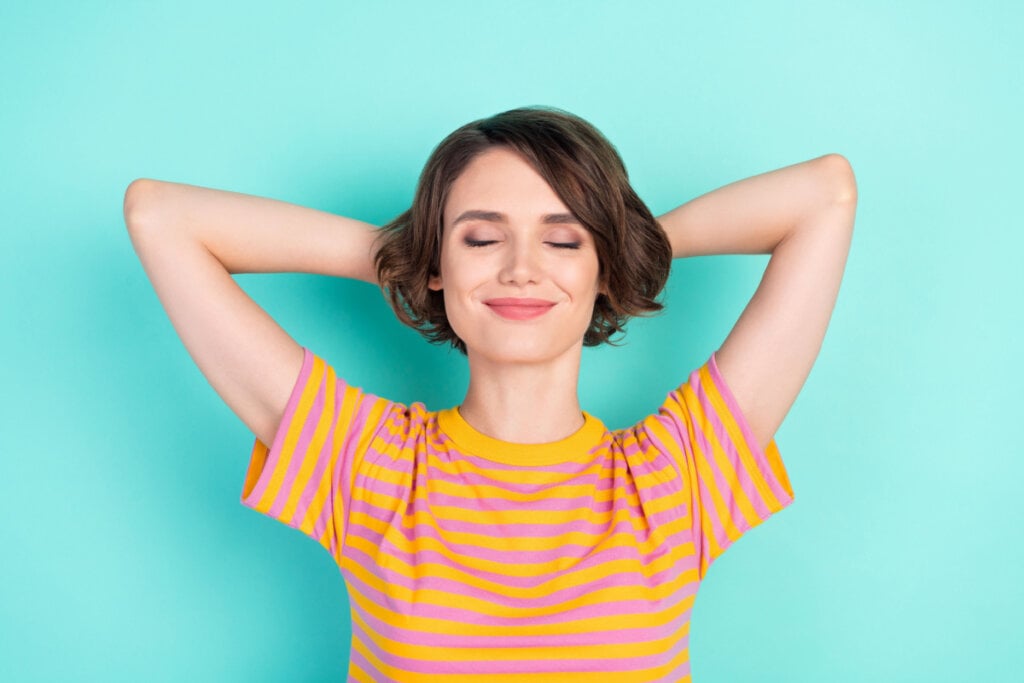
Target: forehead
point(500, 180)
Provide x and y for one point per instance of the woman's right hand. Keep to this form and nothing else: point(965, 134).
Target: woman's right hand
point(190, 241)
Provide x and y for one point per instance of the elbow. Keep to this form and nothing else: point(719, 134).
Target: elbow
point(137, 200)
point(842, 184)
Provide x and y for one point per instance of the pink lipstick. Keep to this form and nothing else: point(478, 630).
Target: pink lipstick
point(514, 308)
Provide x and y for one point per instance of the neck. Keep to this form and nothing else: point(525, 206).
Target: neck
point(524, 403)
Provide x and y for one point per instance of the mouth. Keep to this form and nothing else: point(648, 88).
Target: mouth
point(519, 309)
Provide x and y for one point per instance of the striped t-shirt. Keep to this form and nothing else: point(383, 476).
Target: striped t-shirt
point(477, 560)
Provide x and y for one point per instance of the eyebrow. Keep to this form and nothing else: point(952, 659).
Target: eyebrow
point(496, 217)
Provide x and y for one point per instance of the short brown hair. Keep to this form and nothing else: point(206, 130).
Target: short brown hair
point(586, 173)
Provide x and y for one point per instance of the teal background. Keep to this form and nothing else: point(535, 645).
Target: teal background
point(126, 554)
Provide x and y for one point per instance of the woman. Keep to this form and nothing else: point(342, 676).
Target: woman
point(513, 537)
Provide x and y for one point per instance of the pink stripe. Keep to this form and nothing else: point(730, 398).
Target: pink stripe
point(539, 666)
point(634, 528)
point(359, 424)
point(620, 482)
point(746, 482)
point(567, 506)
point(759, 455)
point(617, 475)
point(347, 456)
point(719, 480)
point(601, 481)
point(587, 556)
point(697, 510)
point(488, 503)
point(573, 586)
point(681, 673)
point(721, 486)
point(638, 521)
point(683, 563)
point(309, 427)
point(449, 612)
point(440, 446)
point(569, 637)
point(706, 552)
point(357, 659)
point(274, 452)
point(309, 493)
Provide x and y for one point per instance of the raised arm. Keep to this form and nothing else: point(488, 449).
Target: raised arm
point(191, 239)
point(803, 216)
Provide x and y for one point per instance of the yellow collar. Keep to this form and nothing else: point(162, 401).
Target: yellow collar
point(472, 442)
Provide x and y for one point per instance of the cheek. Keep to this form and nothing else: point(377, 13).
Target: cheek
point(590, 281)
point(463, 276)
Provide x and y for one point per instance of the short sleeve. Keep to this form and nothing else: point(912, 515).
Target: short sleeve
point(304, 479)
point(733, 484)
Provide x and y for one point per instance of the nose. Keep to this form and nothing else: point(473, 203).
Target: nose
point(522, 264)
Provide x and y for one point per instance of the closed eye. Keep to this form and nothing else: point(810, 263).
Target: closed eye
point(565, 245)
point(479, 243)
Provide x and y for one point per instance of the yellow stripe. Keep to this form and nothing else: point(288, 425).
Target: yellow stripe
point(549, 480)
point(462, 466)
point(423, 544)
point(442, 598)
point(529, 544)
point(369, 494)
point(607, 652)
point(689, 479)
point(491, 519)
point(473, 492)
point(350, 399)
point(529, 627)
point(257, 459)
point(466, 570)
point(706, 474)
point(550, 518)
point(309, 392)
point(727, 468)
point(312, 455)
point(373, 418)
point(436, 654)
point(697, 470)
point(771, 451)
point(354, 672)
point(742, 447)
point(379, 667)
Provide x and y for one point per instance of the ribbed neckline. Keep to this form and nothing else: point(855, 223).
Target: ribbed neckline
point(472, 442)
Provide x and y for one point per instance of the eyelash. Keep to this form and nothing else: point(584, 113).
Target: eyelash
point(559, 245)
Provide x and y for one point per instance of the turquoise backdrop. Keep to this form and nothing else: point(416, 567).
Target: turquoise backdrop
point(126, 554)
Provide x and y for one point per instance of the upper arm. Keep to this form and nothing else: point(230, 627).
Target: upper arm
point(768, 355)
point(250, 361)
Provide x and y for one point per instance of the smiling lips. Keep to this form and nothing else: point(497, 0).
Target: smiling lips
point(519, 309)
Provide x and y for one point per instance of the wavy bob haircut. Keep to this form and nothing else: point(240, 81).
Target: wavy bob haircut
point(587, 174)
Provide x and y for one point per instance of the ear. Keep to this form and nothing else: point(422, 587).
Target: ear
point(435, 283)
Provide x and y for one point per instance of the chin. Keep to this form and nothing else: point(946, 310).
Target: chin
point(524, 351)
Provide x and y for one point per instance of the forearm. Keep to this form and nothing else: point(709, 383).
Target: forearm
point(250, 234)
point(754, 215)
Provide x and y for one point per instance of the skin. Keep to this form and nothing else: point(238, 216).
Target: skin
point(190, 240)
point(523, 373)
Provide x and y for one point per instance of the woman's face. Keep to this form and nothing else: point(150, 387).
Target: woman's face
point(518, 271)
